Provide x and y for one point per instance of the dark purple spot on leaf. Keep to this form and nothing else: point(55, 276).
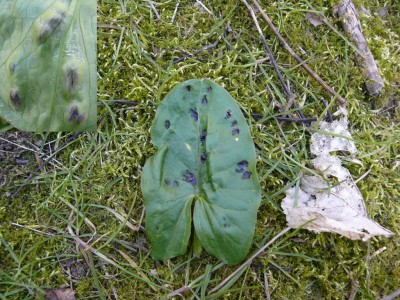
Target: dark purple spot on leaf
point(189, 177)
point(246, 175)
point(209, 89)
point(12, 67)
point(203, 158)
point(226, 225)
point(51, 26)
point(228, 114)
point(175, 183)
point(80, 119)
point(203, 135)
point(71, 77)
point(167, 182)
point(235, 131)
point(188, 88)
point(74, 115)
point(234, 123)
point(167, 124)
point(15, 98)
point(193, 114)
point(204, 100)
point(242, 166)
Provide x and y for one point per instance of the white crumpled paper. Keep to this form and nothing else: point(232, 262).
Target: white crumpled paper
point(333, 207)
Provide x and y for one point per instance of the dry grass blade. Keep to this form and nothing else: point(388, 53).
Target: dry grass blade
point(135, 266)
point(247, 262)
point(122, 219)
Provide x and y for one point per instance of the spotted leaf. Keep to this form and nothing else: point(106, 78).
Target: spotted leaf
point(214, 168)
point(48, 64)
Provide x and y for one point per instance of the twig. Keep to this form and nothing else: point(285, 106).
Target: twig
point(70, 139)
point(354, 287)
point(286, 46)
point(352, 26)
point(289, 96)
point(247, 262)
point(286, 119)
point(392, 295)
point(206, 47)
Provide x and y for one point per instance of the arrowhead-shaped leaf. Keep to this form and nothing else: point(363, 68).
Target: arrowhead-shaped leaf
point(48, 64)
point(205, 163)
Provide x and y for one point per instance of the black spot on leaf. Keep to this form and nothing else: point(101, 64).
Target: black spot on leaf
point(204, 100)
point(228, 114)
point(74, 115)
point(246, 175)
point(15, 98)
point(242, 166)
point(12, 67)
point(80, 119)
point(203, 135)
point(208, 89)
point(51, 26)
point(189, 177)
point(226, 225)
point(313, 197)
point(171, 183)
point(71, 79)
point(193, 114)
point(188, 88)
point(235, 131)
point(234, 123)
point(203, 158)
point(167, 124)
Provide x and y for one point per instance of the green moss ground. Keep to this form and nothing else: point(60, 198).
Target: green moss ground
point(101, 171)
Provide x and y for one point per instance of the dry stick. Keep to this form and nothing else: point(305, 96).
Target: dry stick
point(352, 26)
point(286, 46)
point(290, 97)
point(247, 262)
point(392, 295)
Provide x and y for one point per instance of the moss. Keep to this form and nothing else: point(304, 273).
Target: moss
point(102, 170)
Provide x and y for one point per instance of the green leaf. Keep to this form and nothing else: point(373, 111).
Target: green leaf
point(48, 64)
point(205, 163)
